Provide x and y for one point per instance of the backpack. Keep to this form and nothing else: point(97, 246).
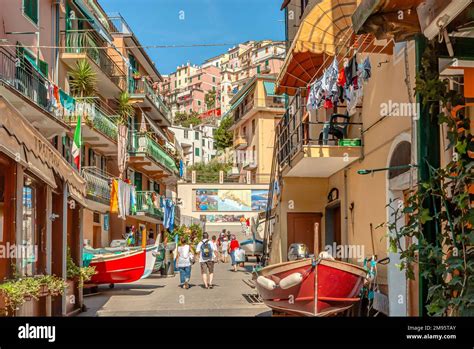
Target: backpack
point(206, 250)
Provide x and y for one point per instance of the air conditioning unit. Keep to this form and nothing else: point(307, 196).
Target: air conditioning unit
point(435, 15)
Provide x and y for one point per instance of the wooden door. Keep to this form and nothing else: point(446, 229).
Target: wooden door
point(97, 231)
point(301, 229)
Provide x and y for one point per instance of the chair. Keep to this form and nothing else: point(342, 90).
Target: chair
point(334, 127)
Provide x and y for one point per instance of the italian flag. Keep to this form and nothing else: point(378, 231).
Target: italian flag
point(77, 143)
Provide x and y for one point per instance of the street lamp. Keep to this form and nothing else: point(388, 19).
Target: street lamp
point(370, 171)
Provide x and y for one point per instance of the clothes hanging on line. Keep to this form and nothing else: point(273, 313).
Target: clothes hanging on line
point(114, 196)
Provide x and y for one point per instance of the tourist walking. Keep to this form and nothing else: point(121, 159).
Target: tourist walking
point(206, 257)
point(184, 262)
point(234, 245)
point(215, 248)
point(225, 250)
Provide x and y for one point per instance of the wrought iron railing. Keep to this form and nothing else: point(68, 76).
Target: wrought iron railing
point(86, 41)
point(148, 202)
point(145, 144)
point(97, 184)
point(96, 116)
point(20, 75)
point(144, 87)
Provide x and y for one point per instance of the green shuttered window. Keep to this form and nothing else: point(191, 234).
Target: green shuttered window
point(30, 9)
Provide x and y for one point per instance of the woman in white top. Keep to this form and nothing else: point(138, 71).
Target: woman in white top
point(183, 263)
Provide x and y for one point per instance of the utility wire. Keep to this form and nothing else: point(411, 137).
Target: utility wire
point(118, 47)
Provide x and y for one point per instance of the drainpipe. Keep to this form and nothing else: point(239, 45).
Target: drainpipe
point(427, 133)
point(56, 50)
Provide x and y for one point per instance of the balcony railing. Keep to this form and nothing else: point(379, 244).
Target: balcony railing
point(148, 202)
point(143, 144)
point(97, 184)
point(144, 87)
point(270, 102)
point(20, 75)
point(97, 117)
point(87, 42)
point(294, 132)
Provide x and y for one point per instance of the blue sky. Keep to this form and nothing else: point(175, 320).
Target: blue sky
point(157, 22)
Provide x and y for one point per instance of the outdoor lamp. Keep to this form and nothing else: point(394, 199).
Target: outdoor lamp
point(366, 171)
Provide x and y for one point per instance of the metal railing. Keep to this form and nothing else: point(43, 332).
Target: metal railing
point(269, 102)
point(87, 41)
point(144, 87)
point(293, 133)
point(148, 202)
point(145, 144)
point(97, 184)
point(96, 116)
point(17, 73)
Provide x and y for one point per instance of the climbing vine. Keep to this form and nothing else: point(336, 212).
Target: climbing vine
point(446, 265)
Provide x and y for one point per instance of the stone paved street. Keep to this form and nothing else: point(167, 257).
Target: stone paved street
point(158, 296)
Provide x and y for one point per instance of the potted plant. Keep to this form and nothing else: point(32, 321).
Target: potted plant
point(83, 81)
point(136, 75)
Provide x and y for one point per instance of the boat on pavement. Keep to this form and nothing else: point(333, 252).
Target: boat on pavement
point(310, 287)
point(118, 267)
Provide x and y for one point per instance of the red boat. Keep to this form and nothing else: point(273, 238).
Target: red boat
point(292, 287)
point(115, 268)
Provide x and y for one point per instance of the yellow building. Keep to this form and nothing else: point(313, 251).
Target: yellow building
point(256, 110)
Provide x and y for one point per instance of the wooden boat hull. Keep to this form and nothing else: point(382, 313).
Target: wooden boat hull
point(118, 268)
point(150, 260)
point(335, 285)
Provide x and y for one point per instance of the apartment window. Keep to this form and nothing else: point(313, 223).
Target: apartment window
point(258, 69)
point(203, 142)
point(253, 126)
point(30, 9)
point(199, 102)
point(175, 84)
point(186, 135)
point(213, 79)
point(197, 151)
point(266, 63)
point(196, 135)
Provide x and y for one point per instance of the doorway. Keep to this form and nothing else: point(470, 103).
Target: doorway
point(301, 229)
point(333, 224)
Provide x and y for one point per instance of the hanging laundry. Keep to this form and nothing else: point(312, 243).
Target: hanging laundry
point(68, 103)
point(133, 199)
point(351, 70)
point(329, 80)
point(156, 200)
point(365, 69)
point(114, 197)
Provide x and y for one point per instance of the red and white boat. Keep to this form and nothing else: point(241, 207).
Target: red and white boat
point(115, 268)
point(308, 287)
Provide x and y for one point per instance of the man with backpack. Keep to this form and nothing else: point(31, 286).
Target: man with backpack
point(206, 259)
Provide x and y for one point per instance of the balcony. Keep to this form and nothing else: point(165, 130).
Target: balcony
point(250, 165)
point(240, 143)
point(26, 89)
point(98, 188)
point(99, 126)
point(148, 206)
point(317, 149)
point(147, 154)
point(78, 45)
point(148, 98)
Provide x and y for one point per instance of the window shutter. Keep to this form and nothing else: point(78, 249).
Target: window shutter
point(138, 181)
point(30, 8)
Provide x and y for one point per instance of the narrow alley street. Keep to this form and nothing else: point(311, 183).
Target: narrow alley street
point(157, 296)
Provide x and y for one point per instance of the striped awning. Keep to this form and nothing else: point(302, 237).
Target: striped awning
point(326, 30)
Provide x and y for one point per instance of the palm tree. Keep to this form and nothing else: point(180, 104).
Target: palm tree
point(83, 80)
point(124, 108)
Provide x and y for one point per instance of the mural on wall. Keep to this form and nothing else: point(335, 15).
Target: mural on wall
point(231, 200)
point(221, 218)
point(206, 200)
point(259, 199)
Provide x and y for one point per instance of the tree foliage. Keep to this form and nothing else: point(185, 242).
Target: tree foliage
point(223, 136)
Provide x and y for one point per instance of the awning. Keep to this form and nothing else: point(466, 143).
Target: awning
point(236, 103)
point(23, 143)
point(326, 30)
point(382, 18)
point(94, 22)
point(270, 89)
